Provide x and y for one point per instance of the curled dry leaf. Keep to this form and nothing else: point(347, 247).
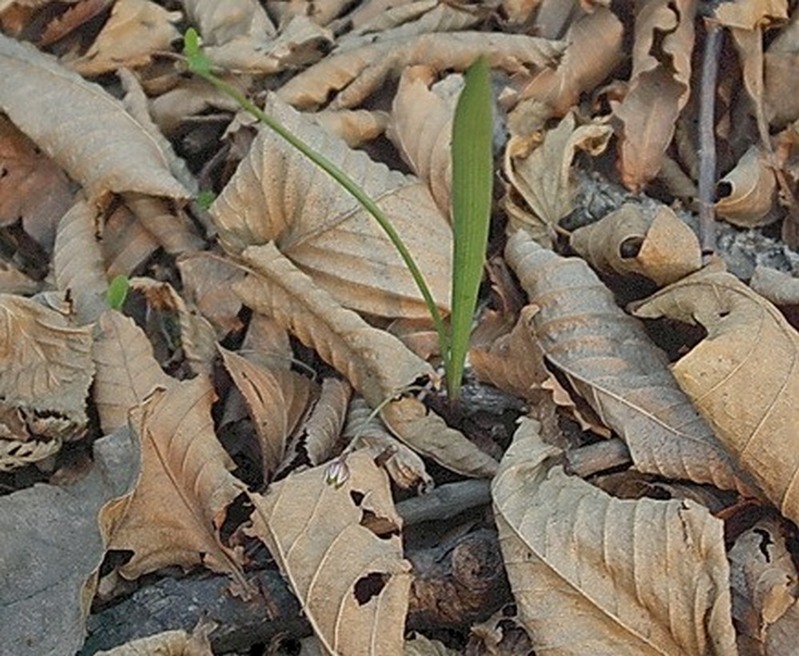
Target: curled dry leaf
point(221, 22)
point(747, 194)
point(421, 128)
point(278, 194)
point(743, 377)
point(168, 643)
point(659, 86)
point(125, 244)
point(66, 116)
point(782, 54)
point(185, 486)
point(609, 360)
point(135, 31)
point(589, 579)
point(656, 245)
point(541, 174)
point(353, 583)
point(763, 581)
point(357, 72)
point(776, 286)
point(355, 127)
point(54, 539)
point(749, 15)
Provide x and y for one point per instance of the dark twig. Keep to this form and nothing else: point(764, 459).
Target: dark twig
point(707, 140)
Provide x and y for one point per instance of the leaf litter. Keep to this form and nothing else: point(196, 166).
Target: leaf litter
point(266, 398)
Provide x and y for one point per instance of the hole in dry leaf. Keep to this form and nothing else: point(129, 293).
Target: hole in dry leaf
point(382, 527)
point(357, 497)
point(630, 247)
point(369, 586)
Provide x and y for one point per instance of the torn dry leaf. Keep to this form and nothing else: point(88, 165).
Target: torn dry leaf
point(278, 194)
point(655, 244)
point(353, 584)
point(185, 486)
point(588, 580)
point(67, 116)
point(743, 377)
point(609, 360)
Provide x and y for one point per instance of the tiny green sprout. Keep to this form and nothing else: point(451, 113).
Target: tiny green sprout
point(206, 198)
point(117, 292)
point(196, 59)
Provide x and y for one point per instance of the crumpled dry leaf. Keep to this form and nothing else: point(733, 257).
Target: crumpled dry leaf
point(357, 72)
point(780, 61)
point(167, 643)
point(421, 128)
point(419, 645)
point(353, 583)
point(32, 187)
point(542, 175)
point(589, 580)
point(45, 372)
point(135, 31)
point(609, 360)
point(66, 116)
point(185, 486)
point(743, 377)
point(220, 22)
point(659, 86)
point(278, 194)
point(53, 542)
point(750, 14)
point(747, 194)
point(653, 244)
point(764, 581)
point(776, 286)
point(127, 371)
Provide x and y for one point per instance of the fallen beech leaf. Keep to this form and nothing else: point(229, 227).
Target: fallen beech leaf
point(780, 60)
point(54, 539)
point(609, 360)
point(353, 584)
point(67, 116)
point(278, 194)
point(355, 127)
point(543, 175)
point(174, 515)
point(127, 372)
point(653, 244)
point(747, 194)
point(592, 574)
point(659, 86)
point(357, 72)
point(743, 377)
point(419, 645)
point(135, 31)
point(222, 22)
point(125, 244)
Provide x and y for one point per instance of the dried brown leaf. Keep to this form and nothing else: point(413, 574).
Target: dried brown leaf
point(166, 643)
point(747, 194)
point(67, 116)
point(743, 377)
point(776, 286)
point(750, 14)
point(278, 194)
point(125, 244)
point(656, 244)
point(174, 515)
point(590, 579)
point(609, 360)
point(353, 584)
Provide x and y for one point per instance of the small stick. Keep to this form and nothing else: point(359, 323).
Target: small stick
point(707, 142)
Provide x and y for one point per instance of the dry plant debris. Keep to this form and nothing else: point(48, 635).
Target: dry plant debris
point(620, 476)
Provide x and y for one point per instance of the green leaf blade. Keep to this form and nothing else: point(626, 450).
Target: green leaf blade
point(472, 183)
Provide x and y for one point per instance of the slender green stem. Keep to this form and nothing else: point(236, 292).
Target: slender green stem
point(352, 187)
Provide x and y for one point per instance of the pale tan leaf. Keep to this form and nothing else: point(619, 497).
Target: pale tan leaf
point(276, 400)
point(421, 128)
point(33, 188)
point(78, 262)
point(45, 370)
point(747, 194)
point(427, 433)
point(365, 430)
point(278, 194)
point(127, 372)
point(174, 515)
point(778, 287)
point(170, 226)
point(220, 22)
point(167, 643)
point(609, 360)
point(659, 86)
point(655, 244)
point(53, 542)
point(126, 243)
point(419, 645)
point(355, 73)
point(375, 363)
point(750, 14)
point(541, 174)
point(135, 31)
point(782, 55)
point(16, 453)
point(592, 574)
point(743, 377)
point(355, 127)
point(352, 583)
point(764, 587)
point(67, 116)
point(321, 11)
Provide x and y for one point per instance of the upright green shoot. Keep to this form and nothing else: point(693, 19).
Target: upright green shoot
point(472, 182)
